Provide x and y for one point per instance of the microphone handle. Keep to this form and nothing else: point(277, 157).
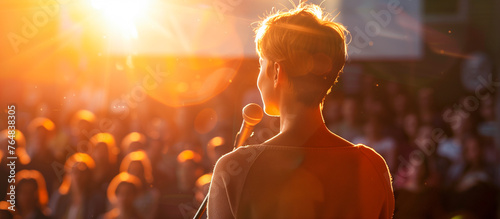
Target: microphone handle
point(243, 134)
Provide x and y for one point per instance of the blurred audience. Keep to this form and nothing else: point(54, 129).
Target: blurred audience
point(472, 193)
point(374, 137)
point(158, 165)
point(350, 127)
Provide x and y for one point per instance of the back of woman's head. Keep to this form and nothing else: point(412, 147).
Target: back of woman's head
point(309, 45)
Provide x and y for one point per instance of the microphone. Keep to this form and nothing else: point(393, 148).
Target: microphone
point(252, 115)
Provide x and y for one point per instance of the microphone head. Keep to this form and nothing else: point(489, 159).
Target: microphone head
point(252, 114)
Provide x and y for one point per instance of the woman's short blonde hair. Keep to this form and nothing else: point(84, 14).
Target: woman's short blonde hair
point(308, 44)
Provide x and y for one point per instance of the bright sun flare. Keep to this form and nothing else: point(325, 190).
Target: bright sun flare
point(122, 15)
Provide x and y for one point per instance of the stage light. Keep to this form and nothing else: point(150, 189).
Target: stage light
point(122, 15)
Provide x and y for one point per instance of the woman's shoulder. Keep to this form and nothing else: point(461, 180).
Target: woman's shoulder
point(371, 154)
point(377, 161)
point(242, 156)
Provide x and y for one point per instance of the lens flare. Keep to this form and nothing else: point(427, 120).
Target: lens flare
point(122, 15)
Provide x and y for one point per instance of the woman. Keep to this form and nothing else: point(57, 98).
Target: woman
point(305, 171)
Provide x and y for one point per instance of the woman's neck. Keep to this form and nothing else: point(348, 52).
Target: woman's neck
point(302, 125)
point(300, 118)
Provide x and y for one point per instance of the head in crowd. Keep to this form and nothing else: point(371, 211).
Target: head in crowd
point(401, 104)
point(78, 169)
point(20, 146)
point(350, 111)
point(138, 164)
point(216, 147)
point(103, 150)
point(132, 142)
point(373, 129)
point(460, 122)
point(302, 47)
point(374, 105)
point(160, 134)
point(410, 126)
point(426, 99)
point(419, 173)
point(333, 109)
point(123, 190)
point(202, 186)
point(40, 130)
point(473, 151)
point(487, 109)
point(188, 170)
point(82, 123)
point(31, 193)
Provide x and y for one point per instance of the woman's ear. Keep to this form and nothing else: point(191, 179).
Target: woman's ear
point(278, 73)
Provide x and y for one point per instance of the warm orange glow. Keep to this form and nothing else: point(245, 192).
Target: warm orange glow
point(131, 138)
point(203, 180)
point(122, 15)
point(117, 180)
point(134, 136)
point(139, 156)
point(109, 141)
point(75, 159)
point(24, 158)
point(43, 122)
point(84, 115)
point(43, 197)
point(205, 121)
point(216, 141)
point(188, 155)
point(184, 81)
point(4, 205)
